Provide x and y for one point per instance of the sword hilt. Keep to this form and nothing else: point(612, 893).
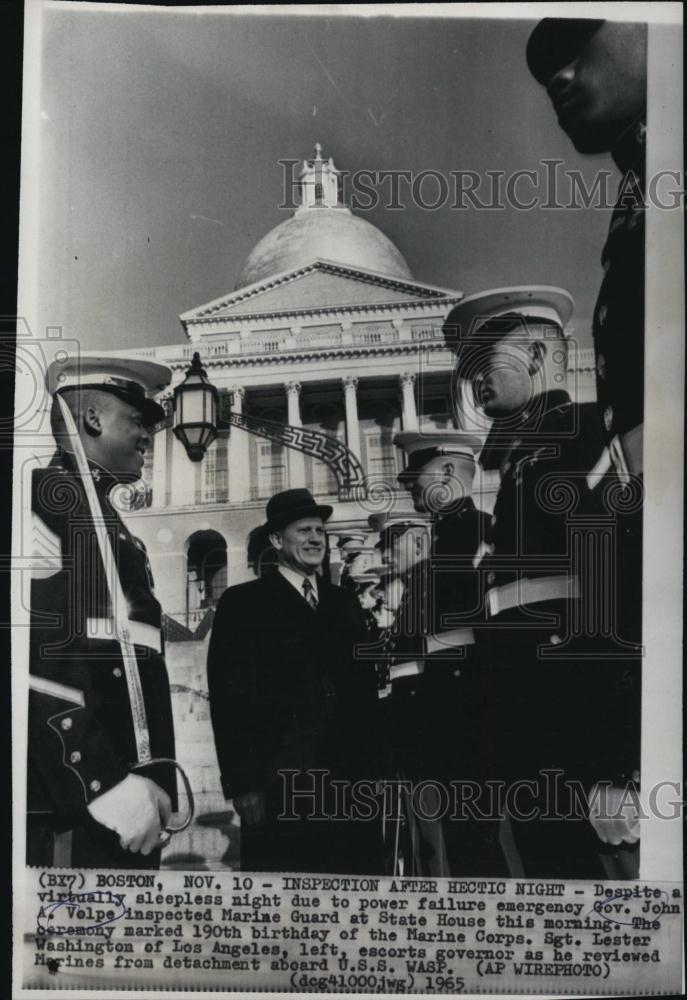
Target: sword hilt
point(188, 819)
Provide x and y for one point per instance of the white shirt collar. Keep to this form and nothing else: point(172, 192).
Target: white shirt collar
point(296, 579)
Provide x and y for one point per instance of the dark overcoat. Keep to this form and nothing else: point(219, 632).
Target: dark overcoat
point(287, 693)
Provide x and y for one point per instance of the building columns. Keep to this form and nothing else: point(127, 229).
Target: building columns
point(238, 456)
point(296, 458)
point(408, 408)
point(160, 449)
point(350, 384)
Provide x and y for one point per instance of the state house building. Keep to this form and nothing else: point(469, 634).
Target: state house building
point(326, 329)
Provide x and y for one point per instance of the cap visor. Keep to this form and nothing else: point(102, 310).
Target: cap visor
point(153, 413)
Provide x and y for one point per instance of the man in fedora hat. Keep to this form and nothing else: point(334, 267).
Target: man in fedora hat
point(95, 631)
point(553, 713)
point(291, 706)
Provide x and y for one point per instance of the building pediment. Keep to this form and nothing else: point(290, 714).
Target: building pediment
point(313, 287)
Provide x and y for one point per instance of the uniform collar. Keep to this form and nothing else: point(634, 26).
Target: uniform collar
point(500, 438)
point(533, 417)
point(103, 479)
point(629, 150)
point(453, 513)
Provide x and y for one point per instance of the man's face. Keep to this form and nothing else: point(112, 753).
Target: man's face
point(603, 89)
point(301, 544)
point(435, 486)
point(121, 442)
point(503, 384)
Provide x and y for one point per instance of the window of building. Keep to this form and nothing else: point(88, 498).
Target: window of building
point(328, 418)
point(214, 487)
point(436, 413)
point(380, 420)
point(271, 468)
point(268, 459)
point(381, 456)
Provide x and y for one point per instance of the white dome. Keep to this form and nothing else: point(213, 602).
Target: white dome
point(329, 233)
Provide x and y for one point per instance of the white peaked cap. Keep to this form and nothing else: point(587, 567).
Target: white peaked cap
point(538, 301)
point(131, 379)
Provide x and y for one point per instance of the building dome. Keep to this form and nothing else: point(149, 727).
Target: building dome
point(321, 227)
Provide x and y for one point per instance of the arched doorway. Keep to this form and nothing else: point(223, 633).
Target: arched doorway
point(206, 573)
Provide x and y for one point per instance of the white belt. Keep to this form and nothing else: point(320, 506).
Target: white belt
point(451, 638)
point(530, 591)
point(627, 453)
point(412, 668)
point(140, 634)
point(596, 474)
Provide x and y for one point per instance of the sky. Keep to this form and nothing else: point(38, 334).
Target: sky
point(161, 134)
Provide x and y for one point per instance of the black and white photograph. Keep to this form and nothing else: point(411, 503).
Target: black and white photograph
point(347, 526)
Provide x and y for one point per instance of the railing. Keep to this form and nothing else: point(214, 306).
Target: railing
point(375, 337)
point(307, 339)
point(581, 358)
point(425, 333)
point(259, 344)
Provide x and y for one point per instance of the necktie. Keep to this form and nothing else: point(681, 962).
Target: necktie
point(309, 594)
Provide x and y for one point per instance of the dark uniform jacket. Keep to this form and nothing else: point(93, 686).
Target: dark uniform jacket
point(544, 464)
point(430, 710)
point(619, 346)
point(453, 678)
point(285, 688)
point(619, 313)
point(557, 699)
point(81, 737)
point(458, 538)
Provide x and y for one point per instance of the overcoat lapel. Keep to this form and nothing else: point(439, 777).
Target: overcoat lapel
point(281, 594)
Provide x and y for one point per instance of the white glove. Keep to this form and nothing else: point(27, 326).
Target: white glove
point(614, 814)
point(136, 809)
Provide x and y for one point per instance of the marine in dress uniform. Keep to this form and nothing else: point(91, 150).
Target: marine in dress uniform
point(550, 708)
point(439, 474)
point(413, 847)
point(82, 744)
point(595, 73)
point(349, 545)
point(287, 694)
point(367, 589)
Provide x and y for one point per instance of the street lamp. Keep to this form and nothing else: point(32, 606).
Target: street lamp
point(196, 403)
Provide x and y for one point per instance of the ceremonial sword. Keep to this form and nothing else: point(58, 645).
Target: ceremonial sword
point(121, 622)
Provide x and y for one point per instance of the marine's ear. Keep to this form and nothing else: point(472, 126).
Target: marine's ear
point(92, 422)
